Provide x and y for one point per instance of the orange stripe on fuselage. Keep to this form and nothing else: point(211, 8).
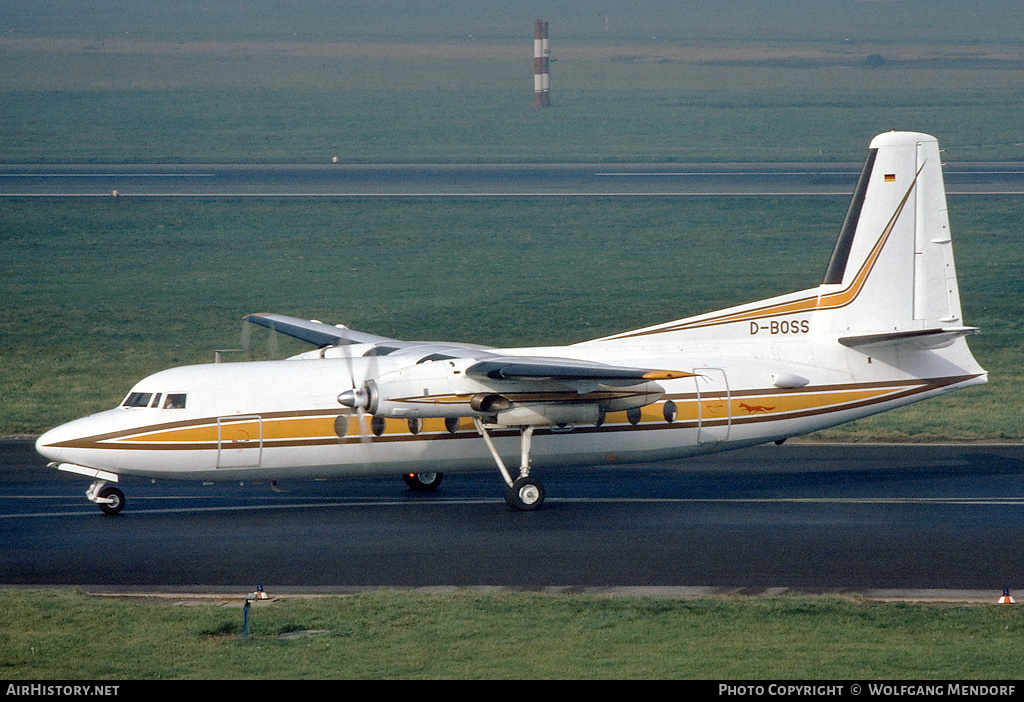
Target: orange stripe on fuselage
point(689, 410)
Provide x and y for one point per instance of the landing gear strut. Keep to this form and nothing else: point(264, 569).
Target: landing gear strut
point(525, 493)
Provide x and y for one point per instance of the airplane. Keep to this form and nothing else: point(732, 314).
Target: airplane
point(882, 330)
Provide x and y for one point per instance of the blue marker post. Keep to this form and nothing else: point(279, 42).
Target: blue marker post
point(258, 595)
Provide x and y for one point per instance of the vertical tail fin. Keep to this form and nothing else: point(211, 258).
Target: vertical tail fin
point(892, 269)
point(891, 281)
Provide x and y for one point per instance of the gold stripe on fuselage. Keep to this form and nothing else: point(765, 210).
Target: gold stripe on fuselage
point(686, 410)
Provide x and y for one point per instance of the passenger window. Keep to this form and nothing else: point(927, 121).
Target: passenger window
point(138, 399)
point(175, 401)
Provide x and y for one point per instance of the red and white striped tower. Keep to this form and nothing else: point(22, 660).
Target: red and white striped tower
point(541, 96)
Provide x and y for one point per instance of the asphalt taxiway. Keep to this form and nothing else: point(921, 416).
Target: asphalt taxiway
point(810, 517)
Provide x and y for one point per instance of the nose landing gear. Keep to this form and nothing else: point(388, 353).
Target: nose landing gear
point(109, 498)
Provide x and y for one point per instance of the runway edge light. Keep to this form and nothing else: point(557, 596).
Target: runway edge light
point(1006, 599)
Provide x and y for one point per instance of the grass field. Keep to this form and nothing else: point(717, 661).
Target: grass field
point(95, 294)
point(100, 293)
point(133, 98)
point(67, 635)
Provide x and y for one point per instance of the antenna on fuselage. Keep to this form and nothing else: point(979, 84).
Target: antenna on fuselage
point(217, 354)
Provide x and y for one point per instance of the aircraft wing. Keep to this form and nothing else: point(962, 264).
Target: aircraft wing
point(312, 331)
point(564, 369)
point(490, 366)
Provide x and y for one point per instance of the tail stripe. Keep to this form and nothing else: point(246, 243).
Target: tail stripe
point(811, 303)
point(845, 297)
point(837, 265)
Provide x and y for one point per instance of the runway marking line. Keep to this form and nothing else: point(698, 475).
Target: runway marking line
point(326, 502)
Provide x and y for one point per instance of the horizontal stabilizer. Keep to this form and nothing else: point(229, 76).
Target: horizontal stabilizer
point(918, 338)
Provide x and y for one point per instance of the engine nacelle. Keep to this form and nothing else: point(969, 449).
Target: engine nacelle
point(490, 403)
point(543, 414)
point(442, 389)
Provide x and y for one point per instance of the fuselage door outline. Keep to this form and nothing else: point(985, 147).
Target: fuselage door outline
point(714, 404)
point(239, 441)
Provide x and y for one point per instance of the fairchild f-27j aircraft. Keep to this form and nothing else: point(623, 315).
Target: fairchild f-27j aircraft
point(882, 330)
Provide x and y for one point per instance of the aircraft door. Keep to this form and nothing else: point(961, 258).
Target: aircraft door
point(714, 405)
point(239, 441)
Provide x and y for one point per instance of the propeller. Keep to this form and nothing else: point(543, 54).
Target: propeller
point(326, 337)
point(357, 399)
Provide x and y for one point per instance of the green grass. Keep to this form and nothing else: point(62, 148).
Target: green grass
point(95, 294)
point(99, 293)
point(137, 100)
point(66, 634)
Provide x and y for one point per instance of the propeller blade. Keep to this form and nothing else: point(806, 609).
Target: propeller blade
point(356, 399)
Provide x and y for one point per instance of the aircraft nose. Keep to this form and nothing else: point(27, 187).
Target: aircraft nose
point(45, 443)
point(74, 445)
point(67, 441)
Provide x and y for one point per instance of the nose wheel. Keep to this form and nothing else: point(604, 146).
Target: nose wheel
point(525, 493)
point(109, 498)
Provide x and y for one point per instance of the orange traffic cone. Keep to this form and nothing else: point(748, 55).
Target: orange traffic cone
point(1006, 599)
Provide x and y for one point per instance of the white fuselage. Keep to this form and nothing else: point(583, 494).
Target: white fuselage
point(884, 329)
point(281, 419)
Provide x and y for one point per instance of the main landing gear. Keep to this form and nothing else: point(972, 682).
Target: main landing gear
point(422, 482)
point(525, 493)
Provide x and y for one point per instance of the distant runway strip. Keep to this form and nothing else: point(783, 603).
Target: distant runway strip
point(474, 180)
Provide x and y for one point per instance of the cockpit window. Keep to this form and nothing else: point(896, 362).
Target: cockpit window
point(175, 401)
point(137, 399)
point(148, 399)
